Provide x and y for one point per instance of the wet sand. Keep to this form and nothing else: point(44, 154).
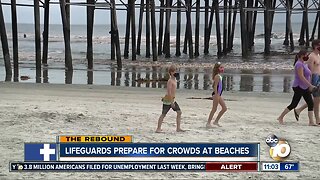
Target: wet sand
point(197, 78)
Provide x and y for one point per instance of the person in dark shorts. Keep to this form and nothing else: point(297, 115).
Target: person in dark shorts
point(302, 87)
point(167, 107)
point(169, 101)
point(314, 65)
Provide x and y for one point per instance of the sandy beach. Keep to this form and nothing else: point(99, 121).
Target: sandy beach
point(40, 112)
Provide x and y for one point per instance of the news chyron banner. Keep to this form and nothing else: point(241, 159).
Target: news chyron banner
point(119, 153)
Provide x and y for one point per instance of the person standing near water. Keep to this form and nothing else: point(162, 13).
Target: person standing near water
point(302, 87)
point(218, 69)
point(169, 101)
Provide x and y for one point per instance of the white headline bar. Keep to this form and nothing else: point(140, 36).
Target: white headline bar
point(154, 159)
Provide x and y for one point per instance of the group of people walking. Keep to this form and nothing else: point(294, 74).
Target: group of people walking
point(170, 103)
point(306, 84)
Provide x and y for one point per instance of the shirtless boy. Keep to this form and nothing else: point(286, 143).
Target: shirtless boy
point(169, 102)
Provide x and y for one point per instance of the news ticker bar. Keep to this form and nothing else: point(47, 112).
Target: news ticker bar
point(157, 166)
point(134, 166)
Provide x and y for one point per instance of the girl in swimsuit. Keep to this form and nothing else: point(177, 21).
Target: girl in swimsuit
point(217, 98)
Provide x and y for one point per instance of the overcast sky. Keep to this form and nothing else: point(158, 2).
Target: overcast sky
point(78, 14)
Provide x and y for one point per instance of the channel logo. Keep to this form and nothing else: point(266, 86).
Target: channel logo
point(279, 148)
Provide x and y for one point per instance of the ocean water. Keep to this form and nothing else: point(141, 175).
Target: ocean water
point(102, 40)
point(105, 74)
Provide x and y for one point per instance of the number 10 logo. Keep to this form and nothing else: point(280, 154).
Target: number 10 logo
point(279, 148)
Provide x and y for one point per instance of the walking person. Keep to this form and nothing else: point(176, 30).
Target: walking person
point(218, 69)
point(169, 101)
point(302, 87)
point(314, 65)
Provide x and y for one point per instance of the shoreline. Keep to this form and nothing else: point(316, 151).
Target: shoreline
point(81, 65)
point(110, 64)
point(258, 62)
point(255, 66)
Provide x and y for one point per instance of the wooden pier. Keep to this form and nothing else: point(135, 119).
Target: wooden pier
point(218, 13)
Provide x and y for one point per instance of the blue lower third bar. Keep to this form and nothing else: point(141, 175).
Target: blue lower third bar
point(289, 166)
